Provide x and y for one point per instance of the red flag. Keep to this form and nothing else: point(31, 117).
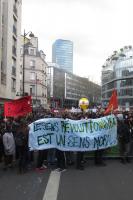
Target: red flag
point(113, 103)
point(18, 107)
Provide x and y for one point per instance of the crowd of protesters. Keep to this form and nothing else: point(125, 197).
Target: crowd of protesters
point(14, 149)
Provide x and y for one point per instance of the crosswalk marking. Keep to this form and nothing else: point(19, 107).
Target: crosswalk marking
point(51, 191)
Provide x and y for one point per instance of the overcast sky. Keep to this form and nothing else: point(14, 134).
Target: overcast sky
point(96, 27)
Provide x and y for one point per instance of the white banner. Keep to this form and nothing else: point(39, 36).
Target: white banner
point(73, 135)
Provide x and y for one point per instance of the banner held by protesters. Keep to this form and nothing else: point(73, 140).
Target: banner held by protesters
point(73, 135)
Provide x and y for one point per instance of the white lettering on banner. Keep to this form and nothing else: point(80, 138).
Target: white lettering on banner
point(73, 135)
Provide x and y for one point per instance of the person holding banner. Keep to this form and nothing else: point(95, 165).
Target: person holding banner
point(61, 157)
point(42, 157)
point(80, 159)
point(98, 155)
point(99, 161)
point(61, 161)
point(80, 155)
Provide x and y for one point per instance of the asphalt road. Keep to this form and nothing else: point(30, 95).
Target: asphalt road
point(113, 182)
point(28, 186)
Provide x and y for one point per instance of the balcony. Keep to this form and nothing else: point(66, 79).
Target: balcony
point(32, 67)
point(14, 30)
point(33, 94)
point(14, 50)
point(13, 71)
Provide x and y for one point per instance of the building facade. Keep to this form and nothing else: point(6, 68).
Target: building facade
point(117, 73)
point(0, 32)
point(62, 54)
point(10, 28)
point(65, 89)
point(77, 87)
point(34, 81)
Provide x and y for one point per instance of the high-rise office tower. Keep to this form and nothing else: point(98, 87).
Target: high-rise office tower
point(62, 54)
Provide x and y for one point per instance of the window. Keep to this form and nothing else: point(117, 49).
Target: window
point(32, 52)
point(13, 84)
point(32, 76)
point(1, 66)
point(32, 64)
point(14, 42)
point(21, 50)
point(2, 42)
point(13, 62)
point(32, 90)
point(2, 19)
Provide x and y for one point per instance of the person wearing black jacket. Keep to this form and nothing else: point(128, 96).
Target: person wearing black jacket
point(15, 130)
point(124, 140)
point(1, 141)
point(80, 155)
point(21, 141)
point(99, 153)
point(130, 126)
point(1, 147)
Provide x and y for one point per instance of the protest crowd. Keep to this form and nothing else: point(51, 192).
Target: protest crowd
point(15, 152)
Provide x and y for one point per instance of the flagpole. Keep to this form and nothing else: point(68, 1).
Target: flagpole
point(5, 121)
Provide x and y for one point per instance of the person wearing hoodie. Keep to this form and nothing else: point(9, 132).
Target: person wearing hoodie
point(9, 146)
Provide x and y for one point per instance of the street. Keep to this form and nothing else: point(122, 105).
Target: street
point(66, 100)
point(115, 181)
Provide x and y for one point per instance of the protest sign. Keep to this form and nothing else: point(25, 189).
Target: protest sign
point(73, 135)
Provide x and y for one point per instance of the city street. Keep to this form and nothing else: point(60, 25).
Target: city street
point(115, 181)
point(66, 100)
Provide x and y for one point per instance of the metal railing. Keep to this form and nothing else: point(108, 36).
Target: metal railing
point(15, 10)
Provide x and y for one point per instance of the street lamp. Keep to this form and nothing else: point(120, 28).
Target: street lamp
point(36, 89)
point(24, 36)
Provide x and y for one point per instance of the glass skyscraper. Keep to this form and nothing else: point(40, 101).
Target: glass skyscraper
point(117, 73)
point(62, 54)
